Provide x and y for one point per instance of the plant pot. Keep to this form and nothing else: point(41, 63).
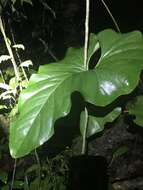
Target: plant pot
point(87, 172)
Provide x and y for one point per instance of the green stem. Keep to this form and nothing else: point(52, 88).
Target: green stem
point(13, 174)
point(10, 52)
point(84, 143)
point(26, 183)
point(86, 67)
point(24, 73)
point(86, 34)
point(2, 77)
point(112, 17)
point(39, 168)
point(16, 51)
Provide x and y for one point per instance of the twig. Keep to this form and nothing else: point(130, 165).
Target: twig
point(46, 48)
point(112, 17)
point(10, 51)
point(16, 51)
point(39, 168)
point(47, 7)
point(2, 77)
point(13, 174)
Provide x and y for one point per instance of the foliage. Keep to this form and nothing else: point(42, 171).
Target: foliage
point(47, 97)
point(134, 108)
point(96, 124)
point(120, 151)
point(11, 3)
point(51, 174)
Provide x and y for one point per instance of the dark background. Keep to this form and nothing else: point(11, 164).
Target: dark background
point(66, 27)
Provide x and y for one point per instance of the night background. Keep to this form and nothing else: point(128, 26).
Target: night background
point(47, 29)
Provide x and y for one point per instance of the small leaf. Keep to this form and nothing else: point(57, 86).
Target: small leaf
point(34, 184)
point(3, 176)
point(1, 79)
point(34, 167)
point(6, 97)
point(13, 83)
point(14, 111)
point(18, 184)
point(120, 151)
point(9, 41)
point(19, 46)
point(135, 107)
point(9, 72)
point(24, 84)
point(13, 1)
point(26, 63)
point(8, 94)
point(13, 8)
point(4, 86)
point(4, 58)
point(3, 107)
point(96, 124)
point(4, 2)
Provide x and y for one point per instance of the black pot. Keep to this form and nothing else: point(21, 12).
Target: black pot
point(87, 172)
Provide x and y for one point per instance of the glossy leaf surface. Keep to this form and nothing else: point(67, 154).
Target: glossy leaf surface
point(136, 108)
point(48, 96)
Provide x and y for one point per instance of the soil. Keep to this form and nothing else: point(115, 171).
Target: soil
point(126, 170)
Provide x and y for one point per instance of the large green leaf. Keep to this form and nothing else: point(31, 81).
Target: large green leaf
point(48, 96)
point(135, 108)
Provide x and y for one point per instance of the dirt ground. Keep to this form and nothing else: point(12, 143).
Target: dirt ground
point(125, 171)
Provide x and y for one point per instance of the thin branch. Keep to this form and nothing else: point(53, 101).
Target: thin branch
point(112, 17)
point(16, 51)
point(13, 174)
point(2, 77)
point(46, 48)
point(10, 51)
point(86, 34)
point(84, 143)
point(26, 183)
point(47, 7)
point(39, 168)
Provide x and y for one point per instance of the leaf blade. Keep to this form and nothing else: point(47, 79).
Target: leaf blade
point(47, 97)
